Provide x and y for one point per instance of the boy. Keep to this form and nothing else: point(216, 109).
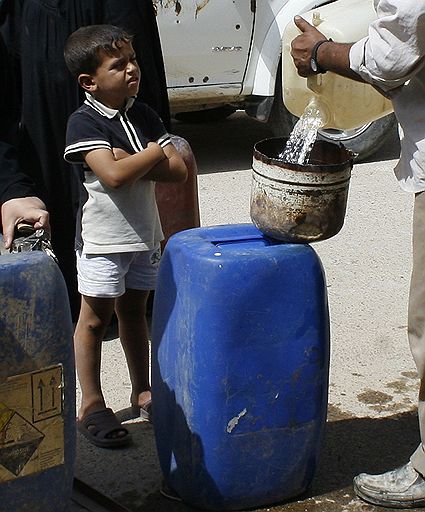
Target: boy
point(123, 147)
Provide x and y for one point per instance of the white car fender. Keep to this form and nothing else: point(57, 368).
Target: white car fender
point(267, 49)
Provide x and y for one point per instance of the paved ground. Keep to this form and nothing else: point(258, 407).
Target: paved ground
point(373, 384)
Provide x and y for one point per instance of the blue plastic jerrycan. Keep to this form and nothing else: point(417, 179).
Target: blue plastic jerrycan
point(240, 366)
point(37, 386)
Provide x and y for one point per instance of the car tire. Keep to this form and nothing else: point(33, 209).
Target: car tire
point(365, 140)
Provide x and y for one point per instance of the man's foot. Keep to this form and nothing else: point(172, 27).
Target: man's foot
point(402, 488)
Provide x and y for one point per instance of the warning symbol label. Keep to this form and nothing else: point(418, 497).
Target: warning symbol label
point(31, 423)
point(47, 393)
point(19, 441)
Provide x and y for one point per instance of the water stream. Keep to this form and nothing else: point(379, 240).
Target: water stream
point(303, 135)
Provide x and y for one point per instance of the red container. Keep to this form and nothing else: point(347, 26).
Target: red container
point(178, 202)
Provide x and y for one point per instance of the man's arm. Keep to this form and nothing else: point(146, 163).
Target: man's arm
point(17, 197)
point(13, 182)
point(17, 190)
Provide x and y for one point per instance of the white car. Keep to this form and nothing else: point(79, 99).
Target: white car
point(223, 55)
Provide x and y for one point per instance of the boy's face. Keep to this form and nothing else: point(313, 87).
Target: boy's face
point(117, 77)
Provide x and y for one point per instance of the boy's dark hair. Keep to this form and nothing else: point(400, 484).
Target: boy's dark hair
point(83, 47)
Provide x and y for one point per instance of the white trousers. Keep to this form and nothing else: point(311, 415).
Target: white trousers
point(416, 319)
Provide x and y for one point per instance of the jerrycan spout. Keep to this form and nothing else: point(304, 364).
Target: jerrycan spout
point(316, 20)
point(318, 109)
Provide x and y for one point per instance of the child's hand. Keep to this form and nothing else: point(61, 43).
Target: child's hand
point(154, 146)
point(119, 153)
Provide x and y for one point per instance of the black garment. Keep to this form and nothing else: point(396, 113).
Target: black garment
point(139, 19)
point(35, 32)
point(13, 183)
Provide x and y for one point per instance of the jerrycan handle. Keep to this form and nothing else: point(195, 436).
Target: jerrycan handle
point(314, 83)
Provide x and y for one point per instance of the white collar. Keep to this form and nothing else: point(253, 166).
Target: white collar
point(103, 109)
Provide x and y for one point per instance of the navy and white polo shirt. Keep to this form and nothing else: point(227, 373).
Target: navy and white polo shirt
point(124, 219)
point(96, 126)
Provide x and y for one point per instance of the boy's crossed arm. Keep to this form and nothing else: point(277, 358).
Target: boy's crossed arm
point(171, 169)
point(155, 163)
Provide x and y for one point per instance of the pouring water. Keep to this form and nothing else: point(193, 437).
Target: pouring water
point(304, 134)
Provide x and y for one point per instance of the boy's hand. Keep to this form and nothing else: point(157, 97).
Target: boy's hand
point(119, 153)
point(158, 149)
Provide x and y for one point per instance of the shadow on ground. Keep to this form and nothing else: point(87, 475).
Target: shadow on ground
point(132, 476)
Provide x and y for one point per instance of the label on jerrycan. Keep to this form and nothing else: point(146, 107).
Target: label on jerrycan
point(31, 423)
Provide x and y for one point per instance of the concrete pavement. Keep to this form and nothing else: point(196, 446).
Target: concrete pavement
point(372, 422)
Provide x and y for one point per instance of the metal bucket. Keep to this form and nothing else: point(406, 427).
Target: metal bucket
point(300, 203)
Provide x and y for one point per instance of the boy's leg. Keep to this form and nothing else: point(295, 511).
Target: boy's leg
point(101, 278)
point(133, 331)
point(94, 318)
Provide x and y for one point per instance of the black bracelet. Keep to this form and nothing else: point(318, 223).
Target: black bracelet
point(314, 65)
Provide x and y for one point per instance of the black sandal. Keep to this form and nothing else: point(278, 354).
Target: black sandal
point(98, 426)
point(143, 411)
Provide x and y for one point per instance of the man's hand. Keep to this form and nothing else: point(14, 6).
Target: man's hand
point(331, 56)
point(30, 210)
point(303, 44)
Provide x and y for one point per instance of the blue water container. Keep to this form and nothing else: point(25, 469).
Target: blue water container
point(37, 386)
point(240, 367)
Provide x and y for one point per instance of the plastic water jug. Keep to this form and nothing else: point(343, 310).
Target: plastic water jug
point(346, 104)
point(240, 361)
point(37, 386)
point(178, 203)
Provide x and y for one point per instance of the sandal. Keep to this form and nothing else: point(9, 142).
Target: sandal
point(143, 411)
point(98, 427)
point(169, 493)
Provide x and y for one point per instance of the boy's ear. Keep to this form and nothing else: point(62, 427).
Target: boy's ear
point(87, 82)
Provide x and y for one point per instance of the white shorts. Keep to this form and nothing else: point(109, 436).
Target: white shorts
point(109, 275)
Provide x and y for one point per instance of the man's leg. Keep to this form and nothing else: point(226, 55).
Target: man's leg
point(405, 487)
point(416, 320)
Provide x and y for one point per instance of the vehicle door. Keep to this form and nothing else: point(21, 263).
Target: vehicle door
point(205, 43)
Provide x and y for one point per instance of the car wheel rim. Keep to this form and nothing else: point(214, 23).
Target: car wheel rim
point(344, 135)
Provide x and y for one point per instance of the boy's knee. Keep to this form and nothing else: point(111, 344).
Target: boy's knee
point(93, 326)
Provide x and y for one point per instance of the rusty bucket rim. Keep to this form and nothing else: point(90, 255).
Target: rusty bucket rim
point(315, 167)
